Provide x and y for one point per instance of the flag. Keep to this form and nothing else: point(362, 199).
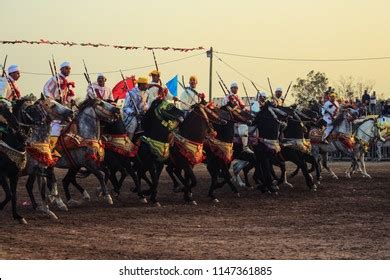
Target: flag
point(120, 89)
point(172, 85)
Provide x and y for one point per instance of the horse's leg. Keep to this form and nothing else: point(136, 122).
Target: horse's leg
point(363, 164)
point(246, 172)
point(325, 165)
point(44, 208)
point(7, 191)
point(13, 180)
point(65, 184)
point(237, 168)
point(283, 177)
point(99, 174)
point(83, 191)
point(170, 170)
point(53, 188)
point(29, 187)
point(189, 173)
point(295, 172)
point(155, 178)
point(228, 178)
point(214, 178)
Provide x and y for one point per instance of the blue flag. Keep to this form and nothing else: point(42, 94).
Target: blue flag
point(172, 85)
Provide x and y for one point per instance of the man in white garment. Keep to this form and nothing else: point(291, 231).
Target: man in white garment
point(59, 89)
point(242, 129)
point(256, 105)
point(64, 94)
point(278, 100)
point(330, 111)
point(8, 87)
point(135, 106)
point(154, 87)
point(99, 89)
point(190, 95)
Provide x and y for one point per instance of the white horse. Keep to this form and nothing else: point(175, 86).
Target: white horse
point(366, 132)
point(343, 142)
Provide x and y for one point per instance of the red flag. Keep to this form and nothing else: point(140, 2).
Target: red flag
point(120, 90)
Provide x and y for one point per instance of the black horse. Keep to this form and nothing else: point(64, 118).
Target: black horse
point(12, 158)
point(220, 151)
point(187, 150)
point(154, 148)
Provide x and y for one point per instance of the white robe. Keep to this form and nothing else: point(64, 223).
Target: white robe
point(104, 92)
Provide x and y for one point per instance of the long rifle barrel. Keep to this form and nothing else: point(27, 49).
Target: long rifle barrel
point(246, 93)
point(131, 97)
point(3, 66)
point(270, 87)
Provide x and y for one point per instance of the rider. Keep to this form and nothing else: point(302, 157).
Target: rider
point(64, 95)
point(12, 91)
point(243, 129)
point(135, 106)
point(154, 87)
point(99, 89)
point(261, 98)
point(330, 112)
point(278, 100)
point(190, 95)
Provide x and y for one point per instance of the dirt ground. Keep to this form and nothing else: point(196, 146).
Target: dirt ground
point(344, 219)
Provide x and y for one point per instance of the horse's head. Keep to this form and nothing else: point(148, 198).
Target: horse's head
point(53, 109)
point(168, 111)
point(106, 111)
point(238, 115)
point(214, 114)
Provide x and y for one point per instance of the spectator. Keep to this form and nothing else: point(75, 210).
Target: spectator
point(386, 108)
point(373, 103)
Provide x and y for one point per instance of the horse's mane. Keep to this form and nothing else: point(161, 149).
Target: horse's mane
point(88, 102)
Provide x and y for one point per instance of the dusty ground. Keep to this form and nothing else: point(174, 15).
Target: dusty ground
point(344, 219)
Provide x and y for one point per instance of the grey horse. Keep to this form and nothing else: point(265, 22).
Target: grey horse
point(85, 128)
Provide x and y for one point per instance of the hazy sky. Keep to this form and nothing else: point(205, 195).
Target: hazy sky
point(299, 28)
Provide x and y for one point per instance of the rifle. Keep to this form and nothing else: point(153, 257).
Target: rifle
point(3, 66)
point(246, 93)
point(253, 84)
point(223, 83)
point(88, 78)
point(288, 89)
point(270, 87)
point(57, 80)
point(155, 63)
point(131, 97)
point(220, 84)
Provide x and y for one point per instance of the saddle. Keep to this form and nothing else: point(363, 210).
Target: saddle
point(348, 140)
point(119, 143)
point(70, 140)
point(191, 150)
point(315, 135)
point(303, 145)
point(222, 150)
point(158, 149)
point(17, 157)
point(42, 153)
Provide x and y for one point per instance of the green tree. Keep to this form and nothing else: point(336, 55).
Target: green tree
point(310, 88)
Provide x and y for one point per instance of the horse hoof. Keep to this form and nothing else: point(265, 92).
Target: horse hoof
point(274, 182)
point(276, 187)
point(51, 215)
point(313, 188)
point(108, 199)
point(290, 185)
point(143, 200)
point(215, 200)
point(86, 195)
point(347, 175)
point(194, 202)
point(72, 202)
point(22, 221)
point(60, 204)
point(157, 204)
point(238, 195)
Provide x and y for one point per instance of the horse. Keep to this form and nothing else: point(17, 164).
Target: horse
point(12, 158)
point(220, 150)
point(365, 132)
point(154, 146)
point(187, 148)
point(80, 144)
point(341, 140)
point(37, 117)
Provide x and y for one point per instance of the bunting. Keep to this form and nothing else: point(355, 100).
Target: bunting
point(96, 45)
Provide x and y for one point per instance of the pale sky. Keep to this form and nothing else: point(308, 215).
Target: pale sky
point(293, 29)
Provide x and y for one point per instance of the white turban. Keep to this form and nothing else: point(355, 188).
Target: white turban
point(279, 89)
point(261, 94)
point(13, 68)
point(65, 64)
point(100, 75)
point(234, 84)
